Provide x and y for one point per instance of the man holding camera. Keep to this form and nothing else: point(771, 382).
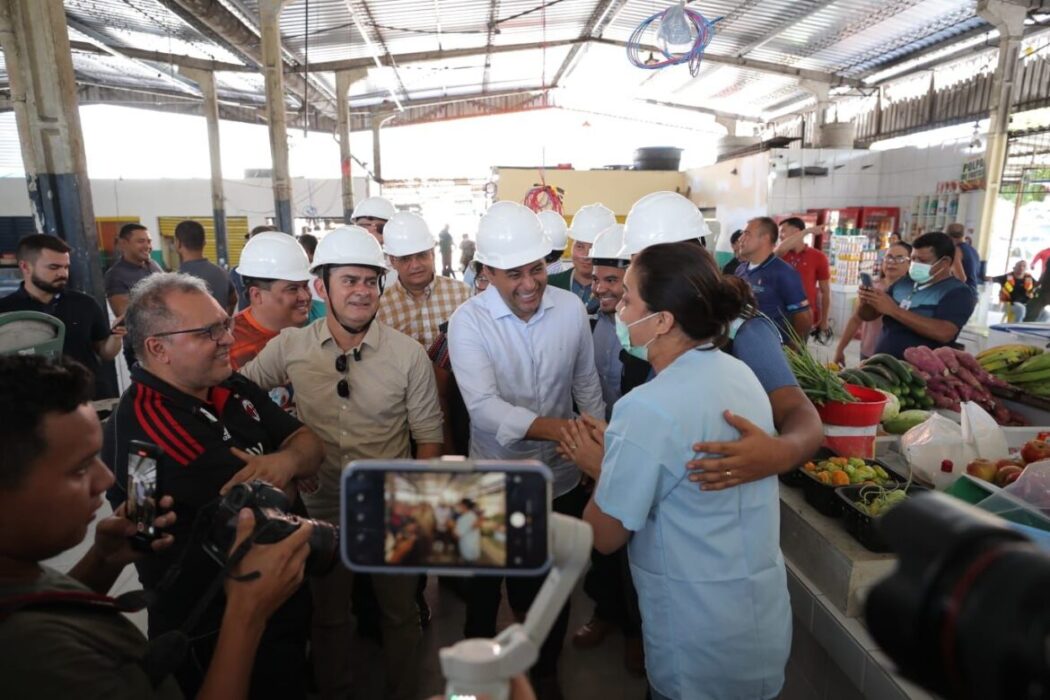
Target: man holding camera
point(215, 429)
point(61, 635)
point(369, 392)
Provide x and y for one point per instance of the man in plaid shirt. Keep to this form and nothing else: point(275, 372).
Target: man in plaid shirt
point(420, 301)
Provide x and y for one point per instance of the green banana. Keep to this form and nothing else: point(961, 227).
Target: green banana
point(1018, 349)
point(1033, 377)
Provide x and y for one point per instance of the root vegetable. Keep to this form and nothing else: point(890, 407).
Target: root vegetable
point(923, 358)
point(948, 357)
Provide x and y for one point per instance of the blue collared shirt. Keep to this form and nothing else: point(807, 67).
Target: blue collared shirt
point(607, 359)
point(511, 372)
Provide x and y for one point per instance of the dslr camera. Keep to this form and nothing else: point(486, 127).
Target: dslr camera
point(273, 523)
point(966, 613)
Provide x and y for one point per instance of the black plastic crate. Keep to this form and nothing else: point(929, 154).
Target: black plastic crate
point(822, 496)
point(797, 476)
point(863, 527)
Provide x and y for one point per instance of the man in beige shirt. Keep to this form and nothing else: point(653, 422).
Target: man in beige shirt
point(365, 389)
point(419, 301)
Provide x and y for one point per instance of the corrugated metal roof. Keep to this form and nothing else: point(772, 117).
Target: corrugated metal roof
point(853, 38)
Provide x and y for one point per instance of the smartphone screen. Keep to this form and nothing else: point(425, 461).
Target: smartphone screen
point(415, 516)
point(865, 280)
point(143, 493)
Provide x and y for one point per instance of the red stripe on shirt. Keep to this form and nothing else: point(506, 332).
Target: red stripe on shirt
point(193, 444)
point(150, 404)
point(140, 414)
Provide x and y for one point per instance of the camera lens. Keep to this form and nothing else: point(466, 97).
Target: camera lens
point(964, 613)
point(324, 548)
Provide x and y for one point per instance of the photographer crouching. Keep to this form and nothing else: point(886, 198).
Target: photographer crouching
point(60, 636)
point(213, 433)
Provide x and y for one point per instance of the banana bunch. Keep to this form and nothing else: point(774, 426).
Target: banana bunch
point(1007, 358)
point(1032, 375)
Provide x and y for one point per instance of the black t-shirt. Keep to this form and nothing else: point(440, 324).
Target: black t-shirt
point(195, 438)
point(86, 322)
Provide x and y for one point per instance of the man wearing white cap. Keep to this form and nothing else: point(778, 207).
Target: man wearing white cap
point(368, 391)
point(589, 221)
point(556, 230)
point(276, 274)
point(371, 214)
point(522, 352)
point(607, 578)
point(420, 300)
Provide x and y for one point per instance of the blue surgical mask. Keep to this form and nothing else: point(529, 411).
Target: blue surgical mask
point(623, 332)
point(921, 273)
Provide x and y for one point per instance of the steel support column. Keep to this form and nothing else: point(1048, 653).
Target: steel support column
point(343, 80)
point(378, 120)
point(35, 41)
point(273, 71)
point(205, 80)
point(820, 91)
point(1009, 20)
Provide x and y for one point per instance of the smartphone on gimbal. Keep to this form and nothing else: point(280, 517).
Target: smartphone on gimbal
point(446, 517)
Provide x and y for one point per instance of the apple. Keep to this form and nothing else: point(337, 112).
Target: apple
point(1009, 472)
point(1035, 450)
point(984, 469)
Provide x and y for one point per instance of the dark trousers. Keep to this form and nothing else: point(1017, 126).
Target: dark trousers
point(608, 583)
point(484, 597)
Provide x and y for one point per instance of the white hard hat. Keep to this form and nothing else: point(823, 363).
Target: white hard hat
point(662, 217)
point(375, 207)
point(554, 226)
point(609, 244)
point(406, 233)
point(510, 235)
point(591, 220)
point(273, 255)
point(348, 245)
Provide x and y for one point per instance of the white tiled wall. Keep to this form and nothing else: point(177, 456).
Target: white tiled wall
point(860, 177)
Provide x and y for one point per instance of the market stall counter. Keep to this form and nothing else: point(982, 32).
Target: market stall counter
point(829, 573)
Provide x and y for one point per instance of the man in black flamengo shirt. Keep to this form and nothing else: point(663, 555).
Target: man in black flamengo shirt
point(215, 429)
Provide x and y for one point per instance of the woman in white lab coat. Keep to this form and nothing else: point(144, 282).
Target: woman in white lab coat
point(711, 582)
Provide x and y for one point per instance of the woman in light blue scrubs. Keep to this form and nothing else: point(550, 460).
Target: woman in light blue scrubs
point(711, 582)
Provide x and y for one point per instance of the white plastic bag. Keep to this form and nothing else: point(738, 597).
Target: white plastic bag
point(982, 432)
point(933, 441)
point(1033, 486)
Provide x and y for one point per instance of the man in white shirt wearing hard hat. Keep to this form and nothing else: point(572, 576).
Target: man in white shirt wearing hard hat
point(522, 352)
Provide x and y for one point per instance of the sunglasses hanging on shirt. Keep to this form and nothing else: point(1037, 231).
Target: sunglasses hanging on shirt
point(343, 387)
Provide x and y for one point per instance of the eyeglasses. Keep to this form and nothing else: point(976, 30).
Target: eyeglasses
point(215, 332)
point(897, 258)
point(343, 387)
